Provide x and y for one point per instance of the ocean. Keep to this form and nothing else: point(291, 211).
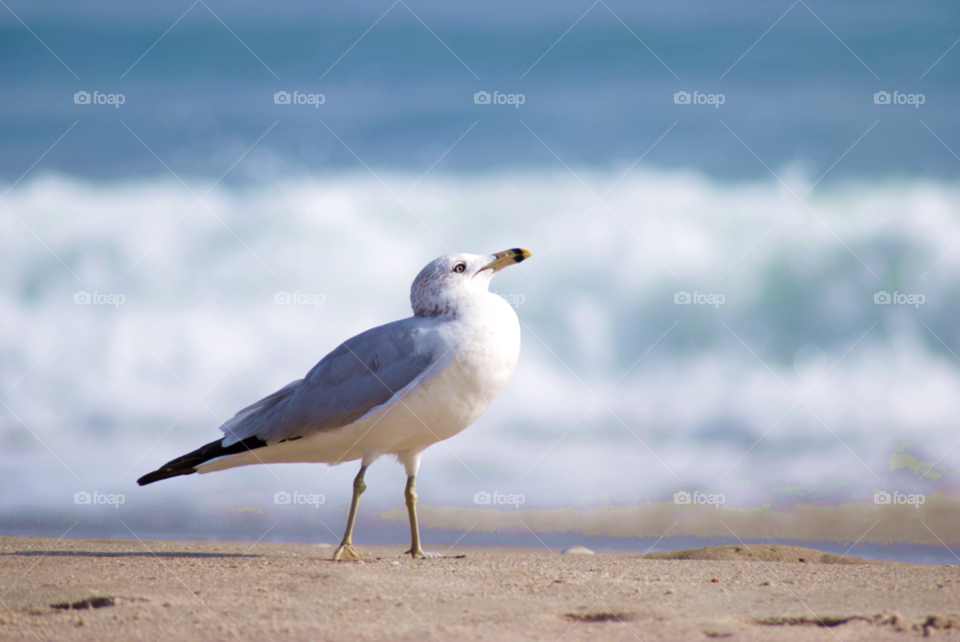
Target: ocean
point(754, 297)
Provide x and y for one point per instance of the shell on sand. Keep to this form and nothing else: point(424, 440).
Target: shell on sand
point(576, 550)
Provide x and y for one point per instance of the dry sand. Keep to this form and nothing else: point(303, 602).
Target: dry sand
point(183, 590)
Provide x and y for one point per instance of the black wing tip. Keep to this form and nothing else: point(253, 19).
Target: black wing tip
point(187, 464)
point(158, 475)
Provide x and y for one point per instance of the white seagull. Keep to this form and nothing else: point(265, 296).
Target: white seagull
point(395, 389)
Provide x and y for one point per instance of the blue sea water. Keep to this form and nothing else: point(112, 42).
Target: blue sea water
point(798, 82)
point(199, 198)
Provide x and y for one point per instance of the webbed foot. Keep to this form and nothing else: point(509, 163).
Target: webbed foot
point(347, 553)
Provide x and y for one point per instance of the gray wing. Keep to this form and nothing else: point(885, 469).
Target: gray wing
point(362, 373)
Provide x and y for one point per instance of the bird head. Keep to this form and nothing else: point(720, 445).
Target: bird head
point(446, 281)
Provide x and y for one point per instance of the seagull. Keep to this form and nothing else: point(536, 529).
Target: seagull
point(393, 390)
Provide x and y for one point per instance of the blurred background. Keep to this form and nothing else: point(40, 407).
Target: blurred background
point(816, 180)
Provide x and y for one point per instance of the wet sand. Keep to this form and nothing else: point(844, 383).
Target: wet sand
point(187, 590)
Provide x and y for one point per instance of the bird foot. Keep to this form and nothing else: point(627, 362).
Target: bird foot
point(347, 553)
point(420, 554)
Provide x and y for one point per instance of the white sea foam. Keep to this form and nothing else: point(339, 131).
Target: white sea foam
point(115, 391)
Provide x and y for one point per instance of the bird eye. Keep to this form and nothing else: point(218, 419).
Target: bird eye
point(460, 268)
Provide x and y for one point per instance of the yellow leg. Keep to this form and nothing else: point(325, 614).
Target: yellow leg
point(410, 494)
point(346, 551)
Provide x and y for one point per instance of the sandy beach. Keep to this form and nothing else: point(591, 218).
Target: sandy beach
point(198, 590)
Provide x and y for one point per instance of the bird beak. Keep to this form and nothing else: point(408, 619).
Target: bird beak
point(505, 258)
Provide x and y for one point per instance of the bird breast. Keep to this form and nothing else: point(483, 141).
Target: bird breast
point(486, 353)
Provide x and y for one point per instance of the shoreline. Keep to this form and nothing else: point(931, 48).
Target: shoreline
point(888, 539)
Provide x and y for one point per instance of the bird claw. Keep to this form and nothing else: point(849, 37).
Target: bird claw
point(420, 554)
point(347, 553)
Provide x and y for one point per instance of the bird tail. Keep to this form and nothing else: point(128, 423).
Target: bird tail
point(187, 464)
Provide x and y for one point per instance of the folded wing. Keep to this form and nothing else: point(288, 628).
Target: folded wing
point(363, 373)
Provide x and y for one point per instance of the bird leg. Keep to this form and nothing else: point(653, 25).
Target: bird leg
point(410, 494)
point(346, 551)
